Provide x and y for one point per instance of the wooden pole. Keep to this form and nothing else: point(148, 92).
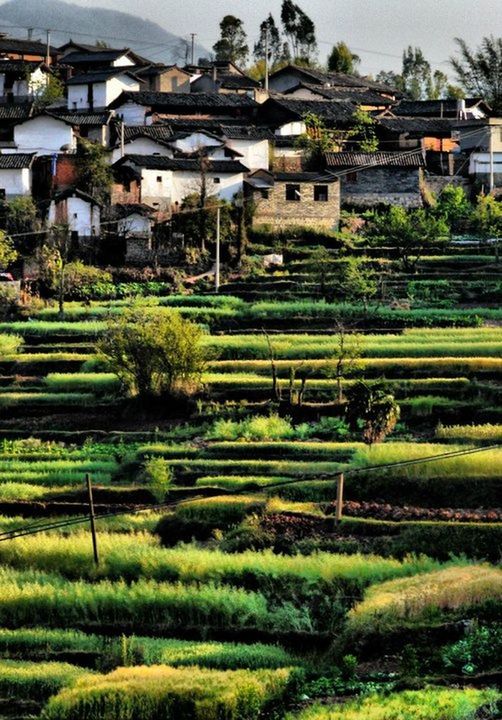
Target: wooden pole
point(92, 519)
point(339, 499)
point(217, 267)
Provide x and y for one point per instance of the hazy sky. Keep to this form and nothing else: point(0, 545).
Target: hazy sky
point(383, 27)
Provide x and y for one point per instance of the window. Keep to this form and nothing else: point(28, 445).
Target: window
point(352, 177)
point(265, 194)
point(159, 178)
point(216, 181)
point(321, 193)
point(293, 193)
point(75, 216)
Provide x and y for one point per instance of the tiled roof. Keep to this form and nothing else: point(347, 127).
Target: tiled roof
point(158, 162)
point(246, 132)
point(417, 125)
point(385, 159)
point(155, 132)
point(91, 56)
point(82, 118)
point(16, 112)
point(336, 111)
point(19, 65)
point(433, 108)
point(304, 177)
point(196, 101)
point(331, 78)
point(358, 95)
point(71, 192)
point(231, 80)
point(24, 47)
point(95, 76)
point(16, 161)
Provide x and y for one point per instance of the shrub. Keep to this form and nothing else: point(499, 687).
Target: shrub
point(427, 598)
point(480, 650)
point(429, 704)
point(158, 476)
point(10, 345)
point(165, 693)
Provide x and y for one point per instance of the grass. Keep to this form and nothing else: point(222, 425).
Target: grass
point(125, 524)
point(428, 704)
point(30, 598)
point(428, 598)
point(139, 556)
point(43, 643)
point(36, 680)
point(166, 693)
point(75, 382)
point(470, 433)
point(10, 399)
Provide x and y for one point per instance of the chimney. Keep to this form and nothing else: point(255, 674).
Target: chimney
point(461, 114)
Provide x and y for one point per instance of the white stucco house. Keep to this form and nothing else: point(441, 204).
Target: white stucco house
point(45, 134)
point(134, 220)
point(142, 144)
point(78, 210)
point(21, 79)
point(16, 175)
point(251, 142)
point(164, 182)
point(97, 89)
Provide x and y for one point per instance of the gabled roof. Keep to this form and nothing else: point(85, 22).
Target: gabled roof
point(331, 78)
point(438, 108)
point(332, 111)
point(123, 210)
point(155, 69)
point(417, 126)
point(82, 117)
point(413, 159)
point(24, 47)
point(21, 111)
point(266, 179)
point(91, 56)
point(20, 66)
point(107, 54)
point(16, 161)
point(246, 132)
point(154, 132)
point(75, 192)
point(358, 95)
point(193, 101)
point(96, 76)
point(158, 162)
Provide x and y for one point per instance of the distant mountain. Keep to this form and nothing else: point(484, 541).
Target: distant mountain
point(88, 25)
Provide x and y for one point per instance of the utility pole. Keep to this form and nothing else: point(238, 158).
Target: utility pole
point(92, 519)
point(122, 139)
point(266, 60)
point(217, 267)
point(48, 49)
point(492, 171)
point(339, 499)
point(193, 36)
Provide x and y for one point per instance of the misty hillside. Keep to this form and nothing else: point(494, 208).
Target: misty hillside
point(86, 25)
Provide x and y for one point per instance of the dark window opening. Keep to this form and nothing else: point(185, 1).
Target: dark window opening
point(321, 193)
point(159, 178)
point(352, 177)
point(265, 194)
point(216, 181)
point(293, 193)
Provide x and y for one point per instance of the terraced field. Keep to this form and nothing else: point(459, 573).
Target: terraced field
point(226, 586)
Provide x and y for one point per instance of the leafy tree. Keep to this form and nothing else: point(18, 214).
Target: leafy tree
point(154, 354)
point(53, 258)
point(487, 216)
point(8, 253)
point(416, 74)
point(372, 409)
point(412, 233)
point(454, 207)
point(479, 71)
point(318, 140)
point(341, 59)
point(343, 362)
point(357, 281)
point(275, 44)
point(390, 78)
point(319, 266)
point(94, 171)
point(232, 44)
point(300, 31)
point(21, 219)
point(363, 130)
point(49, 93)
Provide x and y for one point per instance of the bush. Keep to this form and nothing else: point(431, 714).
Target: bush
point(80, 280)
point(411, 705)
point(425, 599)
point(158, 476)
point(479, 651)
point(10, 345)
point(165, 693)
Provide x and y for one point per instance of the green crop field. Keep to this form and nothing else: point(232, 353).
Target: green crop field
point(261, 552)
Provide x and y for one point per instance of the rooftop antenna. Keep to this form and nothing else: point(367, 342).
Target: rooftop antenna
point(193, 36)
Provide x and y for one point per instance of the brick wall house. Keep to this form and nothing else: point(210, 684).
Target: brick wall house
point(286, 199)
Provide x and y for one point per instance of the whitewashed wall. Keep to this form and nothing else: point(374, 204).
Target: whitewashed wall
point(142, 146)
point(255, 153)
point(43, 135)
point(16, 182)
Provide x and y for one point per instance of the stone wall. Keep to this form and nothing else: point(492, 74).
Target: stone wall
point(382, 186)
point(437, 183)
point(278, 212)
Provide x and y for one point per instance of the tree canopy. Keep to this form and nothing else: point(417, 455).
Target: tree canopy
point(341, 59)
point(479, 71)
point(300, 32)
point(232, 44)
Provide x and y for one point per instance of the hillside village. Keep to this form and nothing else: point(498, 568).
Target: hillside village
point(163, 127)
point(250, 377)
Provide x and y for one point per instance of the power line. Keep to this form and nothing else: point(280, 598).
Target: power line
point(36, 528)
